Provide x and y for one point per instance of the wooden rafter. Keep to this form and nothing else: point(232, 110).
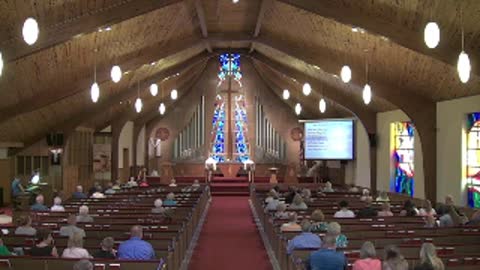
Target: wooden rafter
point(202, 22)
point(261, 14)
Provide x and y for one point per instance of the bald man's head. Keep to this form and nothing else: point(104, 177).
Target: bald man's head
point(136, 231)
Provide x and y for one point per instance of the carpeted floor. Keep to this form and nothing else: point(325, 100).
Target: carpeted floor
point(229, 238)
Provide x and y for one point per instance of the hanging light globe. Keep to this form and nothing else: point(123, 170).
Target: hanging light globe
point(307, 89)
point(1, 63)
point(30, 31)
point(174, 94)
point(138, 105)
point(464, 67)
point(367, 94)
point(346, 74)
point(298, 108)
point(431, 35)
point(95, 92)
point(116, 74)
point(154, 89)
point(286, 94)
point(161, 108)
point(322, 105)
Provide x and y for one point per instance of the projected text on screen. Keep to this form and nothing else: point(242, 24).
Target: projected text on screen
point(329, 139)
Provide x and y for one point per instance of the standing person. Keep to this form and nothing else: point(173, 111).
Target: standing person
point(327, 258)
point(135, 248)
point(17, 187)
point(368, 258)
point(45, 246)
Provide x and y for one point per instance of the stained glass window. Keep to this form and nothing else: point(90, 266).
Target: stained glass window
point(230, 66)
point(473, 159)
point(241, 142)
point(403, 157)
point(218, 121)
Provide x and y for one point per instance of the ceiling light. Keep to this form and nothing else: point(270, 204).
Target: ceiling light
point(30, 31)
point(161, 108)
point(367, 94)
point(153, 64)
point(108, 28)
point(95, 92)
point(286, 94)
point(116, 74)
point(174, 94)
point(354, 29)
point(322, 105)
point(307, 89)
point(138, 105)
point(464, 67)
point(346, 74)
point(1, 63)
point(431, 35)
point(154, 89)
point(235, 1)
point(298, 108)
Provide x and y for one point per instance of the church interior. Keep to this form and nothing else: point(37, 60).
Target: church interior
point(239, 134)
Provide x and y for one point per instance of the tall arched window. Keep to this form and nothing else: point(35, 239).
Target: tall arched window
point(473, 159)
point(402, 144)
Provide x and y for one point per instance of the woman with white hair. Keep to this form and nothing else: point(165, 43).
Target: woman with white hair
point(83, 216)
point(281, 212)
point(57, 205)
point(366, 195)
point(429, 258)
point(75, 248)
point(158, 209)
point(328, 187)
point(170, 200)
point(335, 230)
point(368, 258)
point(298, 203)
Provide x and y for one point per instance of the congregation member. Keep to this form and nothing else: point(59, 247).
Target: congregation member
point(25, 226)
point(428, 210)
point(327, 258)
point(78, 194)
point(291, 225)
point(135, 248)
point(173, 183)
point(328, 187)
point(344, 212)
point(98, 194)
point(39, 204)
point(307, 195)
point(96, 186)
point(383, 197)
point(368, 258)
point(75, 248)
point(394, 260)
point(17, 187)
point(409, 209)
point(475, 220)
point(366, 195)
point(4, 251)
point(429, 258)
point(71, 228)
point(158, 207)
point(368, 211)
point(298, 203)
point(83, 265)
point(335, 230)
point(109, 190)
point(353, 189)
point(106, 249)
point(281, 212)
point(83, 215)
point(430, 222)
point(305, 240)
point(272, 203)
point(385, 212)
point(57, 205)
point(271, 196)
point(292, 191)
point(318, 221)
point(44, 247)
point(170, 200)
point(195, 185)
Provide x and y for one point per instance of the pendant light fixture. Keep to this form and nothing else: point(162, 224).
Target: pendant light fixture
point(286, 94)
point(161, 108)
point(431, 35)
point(30, 31)
point(174, 94)
point(138, 101)
point(307, 89)
point(95, 89)
point(322, 105)
point(298, 108)
point(154, 89)
point(116, 74)
point(367, 90)
point(346, 74)
point(1, 63)
point(463, 65)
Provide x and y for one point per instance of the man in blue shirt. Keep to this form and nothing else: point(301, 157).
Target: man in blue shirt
point(327, 258)
point(78, 194)
point(305, 240)
point(135, 248)
point(17, 188)
point(39, 204)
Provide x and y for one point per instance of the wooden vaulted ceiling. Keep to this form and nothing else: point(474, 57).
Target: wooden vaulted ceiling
point(45, 87)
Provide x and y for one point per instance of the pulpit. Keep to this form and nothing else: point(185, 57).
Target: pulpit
point(273, 175)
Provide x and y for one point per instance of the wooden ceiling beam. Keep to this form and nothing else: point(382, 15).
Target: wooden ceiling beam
point(203, 23)
point(52, 35)
point(264, 6)
point(398, 34)
point(128, 62)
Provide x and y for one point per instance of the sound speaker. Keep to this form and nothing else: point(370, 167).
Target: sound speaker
point(55, 139)
point(372, 138)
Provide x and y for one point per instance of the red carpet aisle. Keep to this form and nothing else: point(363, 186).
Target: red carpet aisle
point(229, 239)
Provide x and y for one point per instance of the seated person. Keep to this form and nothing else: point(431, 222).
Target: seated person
point(98, 194)
point(335, 230)
point(39, 204)
point(394, 260)
point(271, 195)
point(116, 185)
point(385, 212)
point(158, 209)
point(430, 222)
point(71, 228)
point(78, 194)
point(83, 265)
point(154, 173)
point(307, 195)
point(429, 258)
point(368, 210)
point(450, 217)
point(475, 220)
point(298, 203)
point(195, 185)
point(383, 197)
point(368, 258)
point(428, 210)
point(305, 240)
point(170, 200)
point(328, 187)
point(409, 209)
point(75, 248)
point(4, 251)
point(173, 183)
point(94, 188)
point(344, 212)
point(57, 205)
point(327, 258)
point(292, 225)
point(132, 182)
point(292, 191)
point(83, 216)
point(17, 187)
point(272, 203)
point(281, 212)
point(135, 248)
point(109, 190)
point(318, 221)
point(107, 251)
point(366, 195)
point(25, 226)
point(353, 189)
point(44, 247)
